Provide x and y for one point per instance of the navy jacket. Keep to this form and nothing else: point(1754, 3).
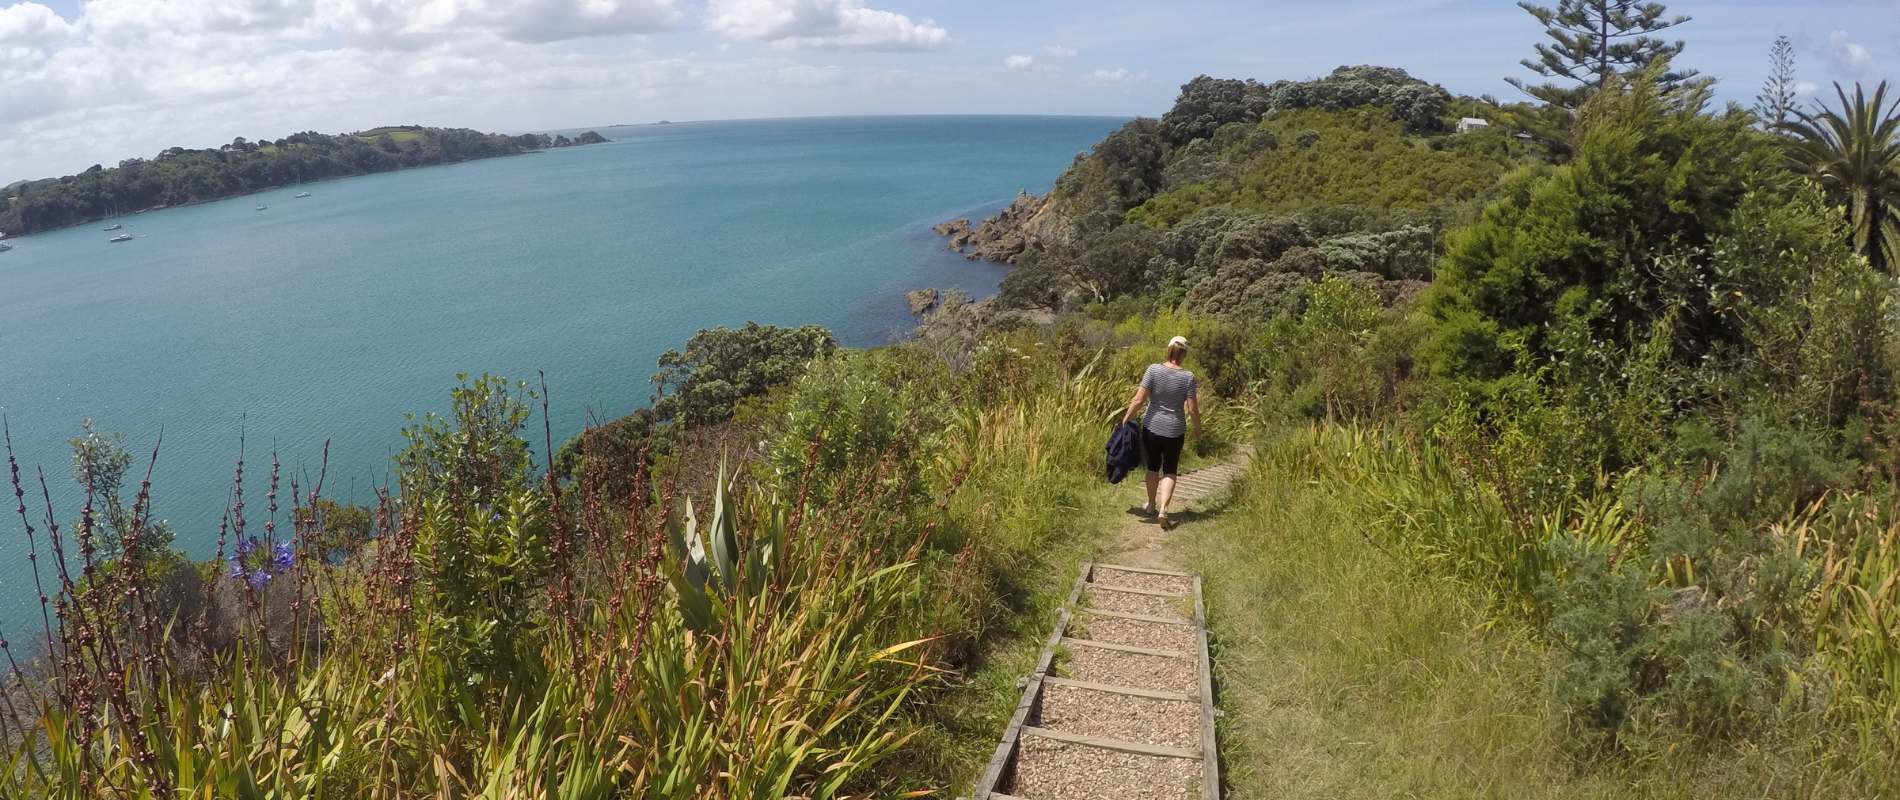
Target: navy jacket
point(1124, 451)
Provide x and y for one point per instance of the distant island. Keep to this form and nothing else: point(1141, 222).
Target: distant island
point(179, 176)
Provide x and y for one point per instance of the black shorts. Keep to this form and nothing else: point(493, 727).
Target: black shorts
point(1163, 453)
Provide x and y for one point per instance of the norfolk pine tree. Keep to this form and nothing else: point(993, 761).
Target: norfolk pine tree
point(1593, 42)
point(1776, 103)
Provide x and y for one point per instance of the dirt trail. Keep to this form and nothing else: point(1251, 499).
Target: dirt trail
point(1121, 704)
point(1139, 543)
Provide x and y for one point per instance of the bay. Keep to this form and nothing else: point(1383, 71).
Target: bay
point(328, 318)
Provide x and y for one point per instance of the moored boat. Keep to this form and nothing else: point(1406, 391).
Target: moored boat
point(113, 227)
point(123, 237)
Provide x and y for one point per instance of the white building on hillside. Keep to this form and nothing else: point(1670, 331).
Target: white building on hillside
point(1469, 124)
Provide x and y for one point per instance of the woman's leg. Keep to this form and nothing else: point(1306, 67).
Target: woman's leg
point(1152, 457)
point(1170, 451)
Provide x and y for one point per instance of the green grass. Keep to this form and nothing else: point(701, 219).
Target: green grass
point(400, 135)
point(1345, 670)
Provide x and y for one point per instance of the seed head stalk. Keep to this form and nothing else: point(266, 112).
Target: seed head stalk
point(32, 546)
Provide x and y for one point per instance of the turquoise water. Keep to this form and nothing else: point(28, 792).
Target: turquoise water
point(329, 317)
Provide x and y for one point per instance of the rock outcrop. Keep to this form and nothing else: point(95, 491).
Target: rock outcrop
point(922, 301)
point(1029, 221)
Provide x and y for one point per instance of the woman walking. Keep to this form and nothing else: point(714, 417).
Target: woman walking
point(1168, 390)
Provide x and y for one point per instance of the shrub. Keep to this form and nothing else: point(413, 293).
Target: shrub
point(1620, 236)
point(1356, 156)
point(721, 366)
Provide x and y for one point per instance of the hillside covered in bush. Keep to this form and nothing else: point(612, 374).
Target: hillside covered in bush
point(1244, 195)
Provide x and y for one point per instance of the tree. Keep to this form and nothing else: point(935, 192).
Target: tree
point(1206, 103)
point(1776, 100)
point(476, 453)
point(1605, 247)
point(1852, 154)
point(100, 462)
point(1596, 42)
point(722, 366)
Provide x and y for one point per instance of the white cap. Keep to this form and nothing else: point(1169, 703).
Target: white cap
point(1178, 340)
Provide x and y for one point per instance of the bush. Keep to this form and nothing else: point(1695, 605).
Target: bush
point(1355, 156)
point(1617, 238)
point(1420, 105)
point(722, 366)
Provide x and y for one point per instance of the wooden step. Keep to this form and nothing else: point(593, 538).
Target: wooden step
point(1119, 745)
point(1145, 570)
point(1125, 648)
point(1149, 592)
point(1103, 612)
point(1127, 690)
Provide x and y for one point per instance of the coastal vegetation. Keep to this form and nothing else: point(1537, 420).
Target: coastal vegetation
point(1575, 477)
point(179, 175)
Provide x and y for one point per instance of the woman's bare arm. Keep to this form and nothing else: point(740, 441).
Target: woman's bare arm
point(1134, 406)
point(1193, 405)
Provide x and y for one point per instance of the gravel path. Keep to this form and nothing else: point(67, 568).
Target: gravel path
point(1134, 670)
point(1143, 604)
point(1071, 709)
point(1051, 770)
point(1152, 635)
point(1110, 576)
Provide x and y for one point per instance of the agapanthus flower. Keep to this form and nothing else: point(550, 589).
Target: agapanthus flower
point(281, 557)
point(258, 578)
point(237, 570)
point(246, 545)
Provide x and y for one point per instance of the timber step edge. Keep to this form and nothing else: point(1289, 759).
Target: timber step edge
point(1105, 743)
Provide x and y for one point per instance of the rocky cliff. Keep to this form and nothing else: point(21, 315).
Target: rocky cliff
point(1030, 221)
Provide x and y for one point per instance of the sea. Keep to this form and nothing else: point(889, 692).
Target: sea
point(327, 319)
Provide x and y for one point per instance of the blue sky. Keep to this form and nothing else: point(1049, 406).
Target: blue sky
point(84, 81)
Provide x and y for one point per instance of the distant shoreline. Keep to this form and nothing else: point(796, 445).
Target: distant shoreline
point(34, 189)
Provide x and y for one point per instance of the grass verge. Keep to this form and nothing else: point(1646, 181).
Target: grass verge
point(1345, 670)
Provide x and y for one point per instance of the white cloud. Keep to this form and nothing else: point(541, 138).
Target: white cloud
point(822, 23)
point(1805, 88)
point(1110, 77)
point(33, 25)
point(1020, 63)
point(128, 77)
point(1059, 51)
point(1848, 58)
point(532, 21)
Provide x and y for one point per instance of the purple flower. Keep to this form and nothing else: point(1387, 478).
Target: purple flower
point(245, 546)
point(281, 557)
point(237, 570)
point(258, 578)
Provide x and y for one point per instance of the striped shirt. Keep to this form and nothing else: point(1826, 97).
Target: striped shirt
point(1168, 391)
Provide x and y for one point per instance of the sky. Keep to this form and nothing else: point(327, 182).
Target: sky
point(96, 81)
